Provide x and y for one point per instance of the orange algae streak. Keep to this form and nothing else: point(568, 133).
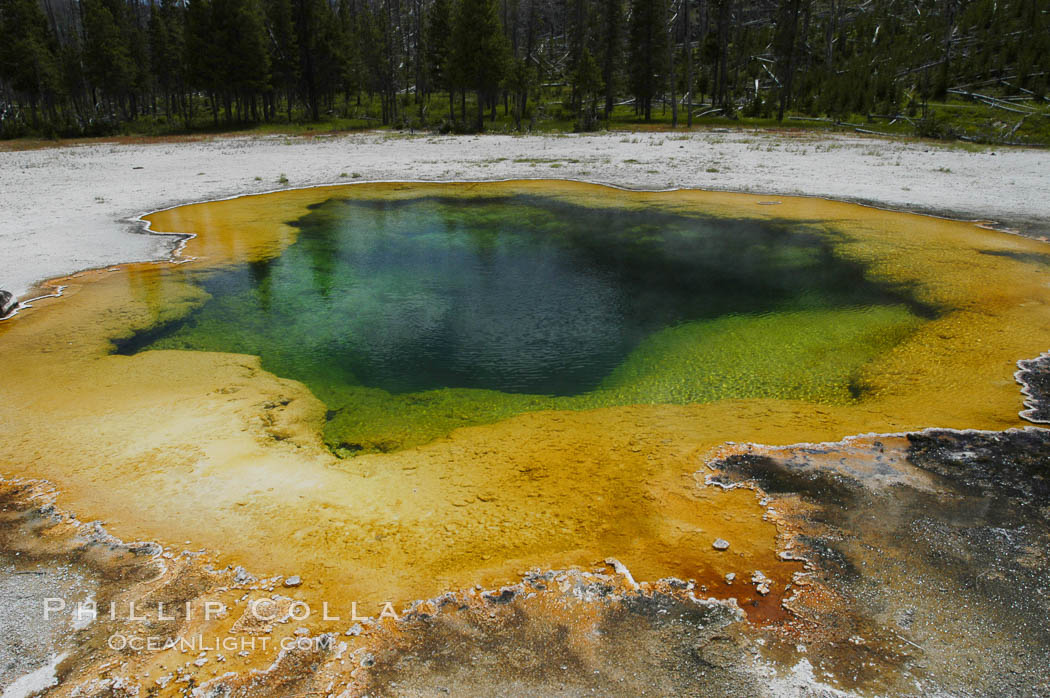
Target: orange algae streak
point(209, 448)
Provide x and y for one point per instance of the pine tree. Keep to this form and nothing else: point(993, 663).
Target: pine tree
point(309, 17)
point(283, 49)
point(480, 50)
point(247, 72)
point(438, 50)
point(203, 62)
point(611, 47)
point(588, 79)
point(784, 41)
point(648, 52)
point(579, 31)
point(377, 44)
point(520, 81)
point(107, 56)
point(27, 55)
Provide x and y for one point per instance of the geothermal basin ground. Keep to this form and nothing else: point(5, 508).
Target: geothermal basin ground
point(564, 550)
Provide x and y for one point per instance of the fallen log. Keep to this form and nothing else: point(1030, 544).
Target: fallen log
point(993, 102)
point(1016, 126)
point(709, 111)
point(858, 129)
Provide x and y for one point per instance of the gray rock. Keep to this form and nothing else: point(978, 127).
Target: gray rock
point(8, 303)
point(762, 582)
point(720, 544)
point(293, 581)
point(242, 576)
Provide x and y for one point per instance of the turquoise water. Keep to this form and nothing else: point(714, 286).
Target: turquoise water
point(531, 296)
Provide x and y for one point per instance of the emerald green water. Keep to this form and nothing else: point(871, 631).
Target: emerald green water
point(411, 318)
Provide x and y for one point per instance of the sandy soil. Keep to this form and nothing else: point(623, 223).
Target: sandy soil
point(72, 208)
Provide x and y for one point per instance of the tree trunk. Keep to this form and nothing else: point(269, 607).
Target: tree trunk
point(688, 65)
point(787, 42)
point(829, 34)
point(722, 80)
point(671, 74)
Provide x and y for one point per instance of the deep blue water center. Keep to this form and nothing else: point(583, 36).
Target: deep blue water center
point(521, 294)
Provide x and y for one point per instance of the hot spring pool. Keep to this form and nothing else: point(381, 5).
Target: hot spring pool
point(527, 375)
point(438, 311)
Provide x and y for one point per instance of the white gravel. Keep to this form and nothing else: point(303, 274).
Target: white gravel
point(70, 208)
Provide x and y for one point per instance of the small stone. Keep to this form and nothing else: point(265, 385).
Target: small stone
point(7, 303)
point(730, 577)
point(242, 576)
point(720, 544)
point(293, 581)
point(762, 582)
point(355, 629)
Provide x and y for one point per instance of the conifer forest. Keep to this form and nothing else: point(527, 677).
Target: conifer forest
point(976, 69)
